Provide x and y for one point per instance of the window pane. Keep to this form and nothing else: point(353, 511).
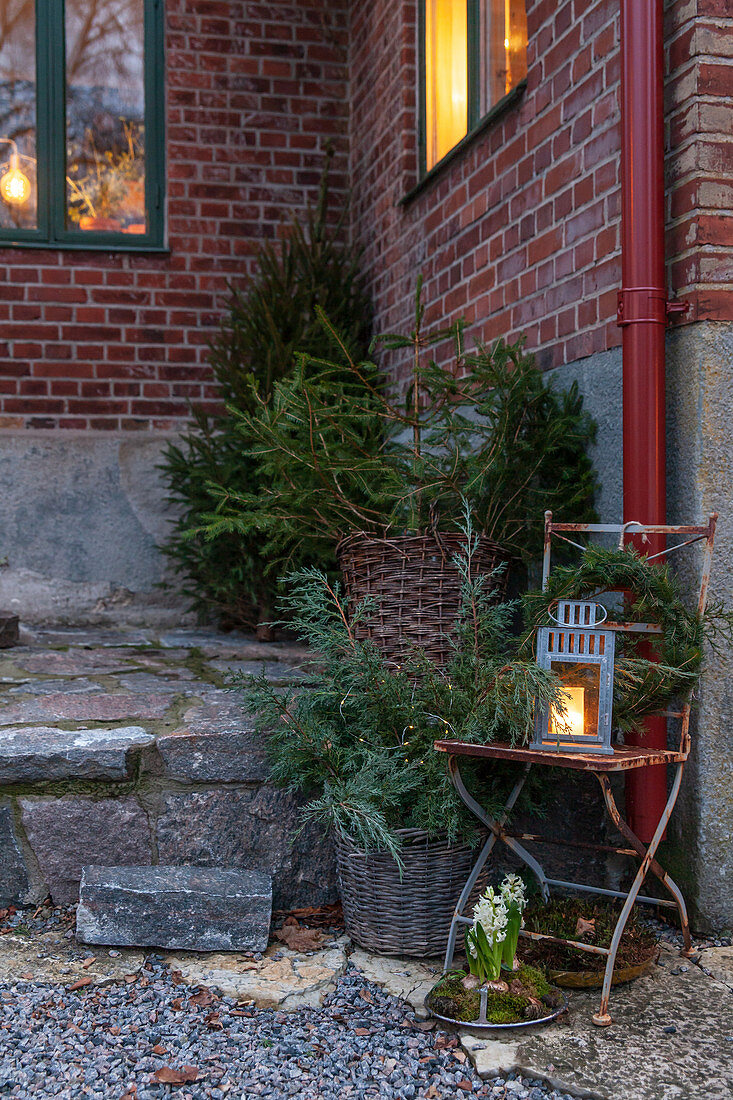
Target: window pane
point(504, 49)
point(105, 116)
point(446, 76)
point(18, 191)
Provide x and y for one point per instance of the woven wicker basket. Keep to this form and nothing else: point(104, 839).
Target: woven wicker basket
point(417, 586)
point(403, 916)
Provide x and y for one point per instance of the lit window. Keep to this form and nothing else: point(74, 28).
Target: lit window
point(474, 54)
point(81, 122)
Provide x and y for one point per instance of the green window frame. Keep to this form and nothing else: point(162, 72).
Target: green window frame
point(53, 227)
point(481, 105)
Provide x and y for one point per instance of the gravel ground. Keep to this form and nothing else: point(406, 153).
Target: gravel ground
point(128, 1040)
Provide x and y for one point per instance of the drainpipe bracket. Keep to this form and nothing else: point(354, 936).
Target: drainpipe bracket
point(641, 305)
point(677, 308)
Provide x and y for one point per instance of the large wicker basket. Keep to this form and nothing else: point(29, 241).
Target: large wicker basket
point(416, 585)
point(408, 915)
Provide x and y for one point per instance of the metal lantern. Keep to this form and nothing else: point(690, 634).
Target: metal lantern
point(581, 655)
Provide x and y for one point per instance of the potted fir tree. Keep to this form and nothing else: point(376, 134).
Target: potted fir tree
point(350, 458)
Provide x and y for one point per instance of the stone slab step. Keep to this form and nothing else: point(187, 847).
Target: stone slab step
point(29, 754)
point(183, 908)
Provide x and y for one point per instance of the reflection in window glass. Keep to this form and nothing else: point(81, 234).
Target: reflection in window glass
point(446, 76)
point(504, 52)
point(18, 190)
point(105, 116)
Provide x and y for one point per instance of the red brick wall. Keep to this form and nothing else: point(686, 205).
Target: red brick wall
point(700, 161)
point(520, 233)
point(113, 340)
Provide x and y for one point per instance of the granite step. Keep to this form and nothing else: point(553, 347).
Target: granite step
point(182, 908)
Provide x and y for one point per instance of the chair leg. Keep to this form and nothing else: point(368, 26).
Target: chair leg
point(495, 830)
point(602, 1017)
point(667, 881)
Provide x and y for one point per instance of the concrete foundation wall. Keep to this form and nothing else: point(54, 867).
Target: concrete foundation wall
point(83, 514)
point(699, 481)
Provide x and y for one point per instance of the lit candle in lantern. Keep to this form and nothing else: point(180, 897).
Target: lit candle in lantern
point(572, 722)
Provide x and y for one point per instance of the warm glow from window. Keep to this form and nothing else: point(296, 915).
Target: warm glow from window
point(503, 49)
point(446, 76)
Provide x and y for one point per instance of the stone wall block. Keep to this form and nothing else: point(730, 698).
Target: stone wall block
point(251, 829)
point(15, 881)
point(68, 833)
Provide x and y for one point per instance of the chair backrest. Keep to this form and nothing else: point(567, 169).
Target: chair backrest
point(656, 535)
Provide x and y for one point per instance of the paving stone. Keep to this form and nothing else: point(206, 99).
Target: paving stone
point(14, 880)
point(242, 647)
point(52, 959)
point(76, 662)
point(35, 753)
point(170, 682)
point(90, 638)
point(85, 708)
point(407, 979)
point(218, 744)
point(718, 961)
point(69, 833)
point(76, 686)
point(635, 1058)
point(282, 979)
point(274, 671)
point(253, 829)
point(185, 908)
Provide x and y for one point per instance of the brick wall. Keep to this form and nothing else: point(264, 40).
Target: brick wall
point(118, 341)
point(700, 159)
point(520, 233)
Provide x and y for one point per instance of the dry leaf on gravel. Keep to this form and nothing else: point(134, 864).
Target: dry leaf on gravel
point(80, 984)
point(167, 1075)
point(366, 996)
point(88, 962)
point(204, 997)
point(465, 1085)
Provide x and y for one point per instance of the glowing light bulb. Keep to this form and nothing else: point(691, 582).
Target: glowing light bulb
point(506, 43)
point(15, 187)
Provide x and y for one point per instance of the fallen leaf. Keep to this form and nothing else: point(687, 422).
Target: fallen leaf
point(159, 1049)
point(27, 977)
point(167, 1075)
point(432, 1092)
point(113, 1030)
point(88, 962)
point(362, 1031)
point(459, 1056)
point(129, 1093)
point(204, 997)
point(300, 939)
point(213, 1022)
point(176, 977)
point(426, 1025)
point(130, 978)
point(176, 1004)
point(79, 984)
point(585, 927)
point(238, 1012)
point(465, 1085)
point(366, 996)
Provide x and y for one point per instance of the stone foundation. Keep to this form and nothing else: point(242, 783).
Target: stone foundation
point(134, 754)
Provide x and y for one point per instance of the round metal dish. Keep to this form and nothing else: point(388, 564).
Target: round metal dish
point(593, 979)
point(477, 1025)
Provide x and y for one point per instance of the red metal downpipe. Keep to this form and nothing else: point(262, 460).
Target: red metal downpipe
point(642, 313)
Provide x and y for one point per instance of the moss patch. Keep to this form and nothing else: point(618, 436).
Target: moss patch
point(559, 917)
point(529, 997)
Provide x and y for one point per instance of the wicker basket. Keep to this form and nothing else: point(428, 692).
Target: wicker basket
point(403, 916)
point(417, 586)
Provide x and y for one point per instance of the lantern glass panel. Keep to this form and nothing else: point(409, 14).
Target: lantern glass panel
point(582, 682)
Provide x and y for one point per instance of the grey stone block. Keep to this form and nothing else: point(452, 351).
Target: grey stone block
point(217, 745)
point(69, 833)
point(249, 828)
point(14, 879)
point(186, 908)
point(84, 708)
point(38, 753)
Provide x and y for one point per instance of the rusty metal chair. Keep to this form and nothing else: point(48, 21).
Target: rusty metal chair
point(623, 759)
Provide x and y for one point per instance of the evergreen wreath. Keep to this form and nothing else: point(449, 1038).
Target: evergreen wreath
point(641, 686)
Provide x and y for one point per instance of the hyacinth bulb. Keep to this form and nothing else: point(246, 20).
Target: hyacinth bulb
point(15, 187)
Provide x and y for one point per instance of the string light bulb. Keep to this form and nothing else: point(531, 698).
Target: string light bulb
point(15, 187)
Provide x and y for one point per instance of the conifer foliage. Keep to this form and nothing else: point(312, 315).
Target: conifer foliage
point(342, 447)
point(265, 326)
point(358, 734)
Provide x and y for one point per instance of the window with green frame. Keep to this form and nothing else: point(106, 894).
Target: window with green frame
point(473, 55)
point(81, 123)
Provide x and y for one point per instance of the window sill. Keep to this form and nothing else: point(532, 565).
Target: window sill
point(82, 246)
point(453, 154)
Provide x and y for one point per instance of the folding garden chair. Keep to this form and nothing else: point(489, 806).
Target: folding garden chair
point(622, 759)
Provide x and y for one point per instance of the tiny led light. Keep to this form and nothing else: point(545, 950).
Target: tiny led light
point(572, 722)
point(15, 187)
